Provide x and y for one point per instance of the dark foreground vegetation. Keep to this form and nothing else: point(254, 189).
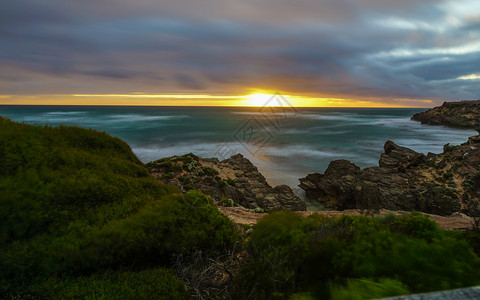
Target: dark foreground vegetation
point(355, 257)
point(82, 218)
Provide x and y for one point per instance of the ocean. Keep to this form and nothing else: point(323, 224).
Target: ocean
point(284, 144)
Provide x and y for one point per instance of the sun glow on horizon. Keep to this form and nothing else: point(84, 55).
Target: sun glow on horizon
point(255, 99)
point(259, 99)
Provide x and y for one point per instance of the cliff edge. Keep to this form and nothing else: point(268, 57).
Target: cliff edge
point(463, 114)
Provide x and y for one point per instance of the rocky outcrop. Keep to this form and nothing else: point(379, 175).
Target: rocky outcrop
point(463, 114)
point(399, 158)
point(232, 181)
point(404, 180)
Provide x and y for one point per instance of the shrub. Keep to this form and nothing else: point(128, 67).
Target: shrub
point(232, 182)
point(208, 171)
point(227, 202)
point(77, 201)
point(359, 289)
point(289, 254)
point(168, 175)
point(164, 164)
point(147, 284)
point(415, 224)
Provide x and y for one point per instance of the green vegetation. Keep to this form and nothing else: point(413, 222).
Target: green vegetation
point(257, 210)
point(77, 202)
point(357, 289)
point(232, 182)
point(228, 202)
point(351, 256)
point(146, 284)
point(228, 182)
point(165, 165)
point(82, 218)
point(208, 171)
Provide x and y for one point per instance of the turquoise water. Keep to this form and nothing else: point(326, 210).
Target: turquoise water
point(285, 145)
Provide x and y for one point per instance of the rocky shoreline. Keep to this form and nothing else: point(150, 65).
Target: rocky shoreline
point(439, 184)
point(445, 184)
point(233, 181)
point(463, 114)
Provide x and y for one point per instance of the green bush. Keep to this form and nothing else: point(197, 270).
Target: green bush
point(77, 201)
point(228, 202)
point(289, 254)
point(147, 284)
point(472, 237)
point(208, 171)
point(232, 182)
point(415, 224)
point(165, 164)
point(359, 289)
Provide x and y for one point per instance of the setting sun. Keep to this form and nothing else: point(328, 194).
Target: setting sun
point(258, 99)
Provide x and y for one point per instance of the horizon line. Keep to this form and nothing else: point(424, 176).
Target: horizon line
point(259, 98)
point(216, 106)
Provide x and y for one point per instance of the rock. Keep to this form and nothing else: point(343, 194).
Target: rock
point(341, 167)
point(404, 180)
point(235, 178)
point(336, 185)
point(465, 114)
point(400, 157)
point(474, 139)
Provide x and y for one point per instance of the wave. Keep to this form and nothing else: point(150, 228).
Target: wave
point(313, 116)
point(334, 117)
point(295, 151)
point(55, 119)
point(309, 131)
point(140, 118)
point(266, 113)
point(64, 113)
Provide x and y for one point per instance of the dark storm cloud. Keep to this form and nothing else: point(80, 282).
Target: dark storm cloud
point(362, 48)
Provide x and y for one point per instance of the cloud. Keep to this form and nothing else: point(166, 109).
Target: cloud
point(188, 82)
point(469, 77)
point(343, 48)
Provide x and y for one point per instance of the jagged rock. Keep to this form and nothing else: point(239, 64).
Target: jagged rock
point(464, 114)
point(399, 157)
point(235, 178)
point(404, 180)
point(336, 185)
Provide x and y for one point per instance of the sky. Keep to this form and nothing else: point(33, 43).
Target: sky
point(218, 52)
